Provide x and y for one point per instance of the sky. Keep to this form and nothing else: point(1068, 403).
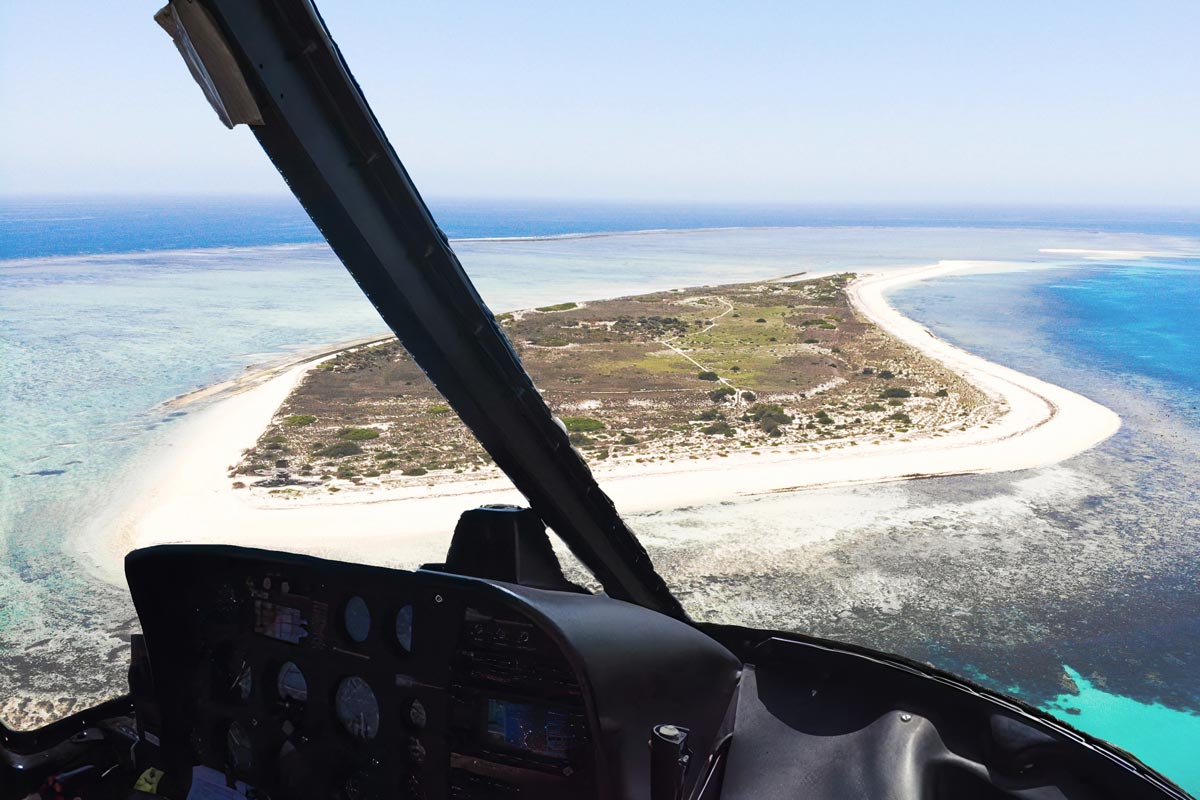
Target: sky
point(843, 101)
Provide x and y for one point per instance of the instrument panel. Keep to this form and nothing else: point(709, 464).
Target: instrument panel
point(299, 677)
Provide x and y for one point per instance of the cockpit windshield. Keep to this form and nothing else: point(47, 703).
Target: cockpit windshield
point(962, 433)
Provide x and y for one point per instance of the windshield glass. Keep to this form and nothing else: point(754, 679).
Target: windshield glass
point(961, 433)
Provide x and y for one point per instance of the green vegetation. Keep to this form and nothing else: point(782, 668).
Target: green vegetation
point(901, 417)
point(769, 417)
point(582, 424)
point(717, 395)
point(339, 450)
point(357, 434)
point(721, 428)
point(413, 472)
point(613, 360)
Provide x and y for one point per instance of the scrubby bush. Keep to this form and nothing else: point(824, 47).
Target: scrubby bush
point(760, 320)
point(895, 391)
point(886, 374)
point(415, 471)
point(769, 417)
point(708, 376)
point(941, 393)
point(580, 439)
point(552, 341)
point(720, 428)
point(439, 409)
point(901, 417)
point(339, 450)
point(299, 420)
point(872, 407)
point(582, 424)
point(868, 371)
point(811, 341)
point(749, 397)
point(558, 307)
point(717, 395)
point(627, 439)
point(357, 434)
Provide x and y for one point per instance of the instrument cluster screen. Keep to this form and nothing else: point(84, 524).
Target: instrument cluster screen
point(282, 623)
point(529, 728)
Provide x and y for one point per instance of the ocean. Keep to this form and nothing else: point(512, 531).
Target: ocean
point(1075, 586)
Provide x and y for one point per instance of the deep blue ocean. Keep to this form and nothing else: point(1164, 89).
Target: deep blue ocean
point(57, 226)
point(111, 306)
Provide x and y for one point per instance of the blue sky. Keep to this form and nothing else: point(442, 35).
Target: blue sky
point(797, 102)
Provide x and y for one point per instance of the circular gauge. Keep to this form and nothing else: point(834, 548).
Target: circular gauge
point(357, 619)
point(239, 747)
point(291, 684)
point(404, 630)
point(357, 709)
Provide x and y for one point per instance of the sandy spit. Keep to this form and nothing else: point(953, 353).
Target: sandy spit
point(190, 499)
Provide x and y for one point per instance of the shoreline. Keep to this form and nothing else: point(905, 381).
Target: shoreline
point(191, 499)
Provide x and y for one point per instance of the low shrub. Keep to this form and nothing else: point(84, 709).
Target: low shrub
point(558, 307)
point(749, 397)
point(708, 376)
point(582, 424)
point(415, 471)
point(339, 450)
point(769, 417)
point(299, 420)
point(357, 434)
point(720, 428)
point(895, 391)
point(717, 395)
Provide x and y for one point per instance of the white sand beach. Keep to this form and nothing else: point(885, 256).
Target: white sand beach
point(190, 498)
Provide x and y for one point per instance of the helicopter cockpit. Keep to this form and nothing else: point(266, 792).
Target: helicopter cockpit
point(491, 675)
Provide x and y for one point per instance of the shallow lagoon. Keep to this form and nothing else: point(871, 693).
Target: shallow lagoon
point(92, 346)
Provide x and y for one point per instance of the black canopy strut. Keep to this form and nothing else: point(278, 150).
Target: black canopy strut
point(319, 131)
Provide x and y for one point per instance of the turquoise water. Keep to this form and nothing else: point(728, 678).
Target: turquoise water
point(91, 345)
point(1168, 736)
point(1123, 334)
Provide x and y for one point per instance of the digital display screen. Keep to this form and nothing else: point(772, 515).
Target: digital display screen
point(279, 622)
point(529, 728)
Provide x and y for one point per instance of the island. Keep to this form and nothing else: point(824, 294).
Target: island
point(688, 374)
